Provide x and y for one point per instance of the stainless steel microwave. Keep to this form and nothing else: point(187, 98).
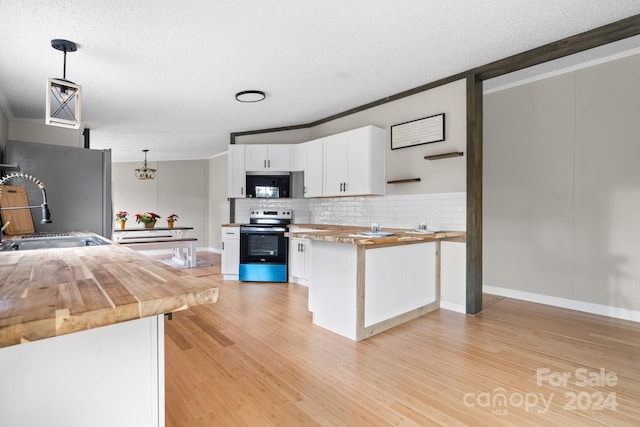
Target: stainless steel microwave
point(269, 186)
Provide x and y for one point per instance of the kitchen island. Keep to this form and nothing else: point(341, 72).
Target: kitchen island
point(81, 335)
point(362, 285)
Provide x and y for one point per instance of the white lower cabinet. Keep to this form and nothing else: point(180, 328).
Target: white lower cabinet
point(453, 276)
point(103, 377)
point(299, 261)
point(230, 259)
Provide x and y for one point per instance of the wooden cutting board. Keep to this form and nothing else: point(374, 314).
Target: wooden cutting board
point(20, 221)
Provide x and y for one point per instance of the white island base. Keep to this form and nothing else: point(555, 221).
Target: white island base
point(358, 291)
point(107, 376)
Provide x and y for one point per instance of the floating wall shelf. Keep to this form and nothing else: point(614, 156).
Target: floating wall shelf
point(403, 181)
point(444, 155)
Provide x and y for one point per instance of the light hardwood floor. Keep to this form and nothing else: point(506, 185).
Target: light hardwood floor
point(255, 359)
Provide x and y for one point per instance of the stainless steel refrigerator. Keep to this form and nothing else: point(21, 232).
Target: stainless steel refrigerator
point(77, 182)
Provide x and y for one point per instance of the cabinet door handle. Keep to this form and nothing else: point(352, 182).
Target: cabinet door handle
point(264, 164)
point(269, 163)
point(345, 186)
point(242, 191)
point(301, 247)
point(223, 246)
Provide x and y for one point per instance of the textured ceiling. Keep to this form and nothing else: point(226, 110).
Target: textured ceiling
point(162, 74)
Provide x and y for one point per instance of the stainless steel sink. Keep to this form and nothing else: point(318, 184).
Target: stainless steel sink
point(26, 244)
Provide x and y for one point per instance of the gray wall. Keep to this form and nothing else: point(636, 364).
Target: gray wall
point(218, 202)
point(45, 134)
point(180, 187)
point(562, 186)
point(4, 130)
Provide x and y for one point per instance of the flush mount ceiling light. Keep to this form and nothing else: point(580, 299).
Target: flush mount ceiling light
point(250, 96)
point(63, 96)
point(145, 172)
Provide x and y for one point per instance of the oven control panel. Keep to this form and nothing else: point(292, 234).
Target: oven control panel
point(270, 214)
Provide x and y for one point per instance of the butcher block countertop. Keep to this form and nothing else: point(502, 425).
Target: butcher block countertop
point(352, 235)
point(50, 292)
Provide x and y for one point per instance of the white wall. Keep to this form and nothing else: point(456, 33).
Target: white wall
point(562, 189)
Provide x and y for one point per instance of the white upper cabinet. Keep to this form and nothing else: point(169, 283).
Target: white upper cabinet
point(354, 162)
point(267, 157)
point(236, 180)
point(345, 164)
point(313, 170)
point(298, 157)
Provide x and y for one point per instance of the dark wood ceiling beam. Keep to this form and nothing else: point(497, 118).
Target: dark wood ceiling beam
point(600, 36)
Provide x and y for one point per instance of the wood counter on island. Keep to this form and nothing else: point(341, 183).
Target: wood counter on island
point(81, 328)
point(362, 285)
point(50, 292)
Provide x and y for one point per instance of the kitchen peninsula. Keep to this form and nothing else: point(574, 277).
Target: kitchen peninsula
point(81, 335)
point(364, 285)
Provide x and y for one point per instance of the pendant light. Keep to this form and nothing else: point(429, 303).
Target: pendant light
point(145, 172)
point(63, 96)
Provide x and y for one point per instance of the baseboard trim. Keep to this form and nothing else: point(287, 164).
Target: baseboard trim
point(587, 307)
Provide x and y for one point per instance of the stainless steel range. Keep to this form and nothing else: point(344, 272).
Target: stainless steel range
point(263, 246)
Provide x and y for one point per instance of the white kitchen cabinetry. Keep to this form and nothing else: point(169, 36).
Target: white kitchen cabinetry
point(107, 376)
point(236, 180)
point(353, 162)
point(299, 261)
point(313, 169)
point(453, 276)
point(358, 292)
point(267, 157)
point(230, 259)
point(298, 157)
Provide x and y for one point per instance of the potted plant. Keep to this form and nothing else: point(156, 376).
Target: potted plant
point(121, 218)
point(148, 219)
point(171, 219)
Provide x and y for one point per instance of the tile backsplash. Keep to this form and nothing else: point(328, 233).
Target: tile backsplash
point(441, 211)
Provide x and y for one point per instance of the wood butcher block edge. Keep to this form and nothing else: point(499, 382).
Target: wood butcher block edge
point(345, 234)
point(50, 292)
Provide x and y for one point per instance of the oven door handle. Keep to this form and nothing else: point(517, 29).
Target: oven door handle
point(263, 230)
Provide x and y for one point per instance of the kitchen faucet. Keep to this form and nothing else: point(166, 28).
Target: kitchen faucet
point(46, 215)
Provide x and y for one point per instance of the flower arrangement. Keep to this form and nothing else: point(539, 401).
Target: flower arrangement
point(172, 217)
point(122, 215)
point(147, 217)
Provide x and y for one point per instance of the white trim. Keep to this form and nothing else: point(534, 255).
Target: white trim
point(587, 307)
